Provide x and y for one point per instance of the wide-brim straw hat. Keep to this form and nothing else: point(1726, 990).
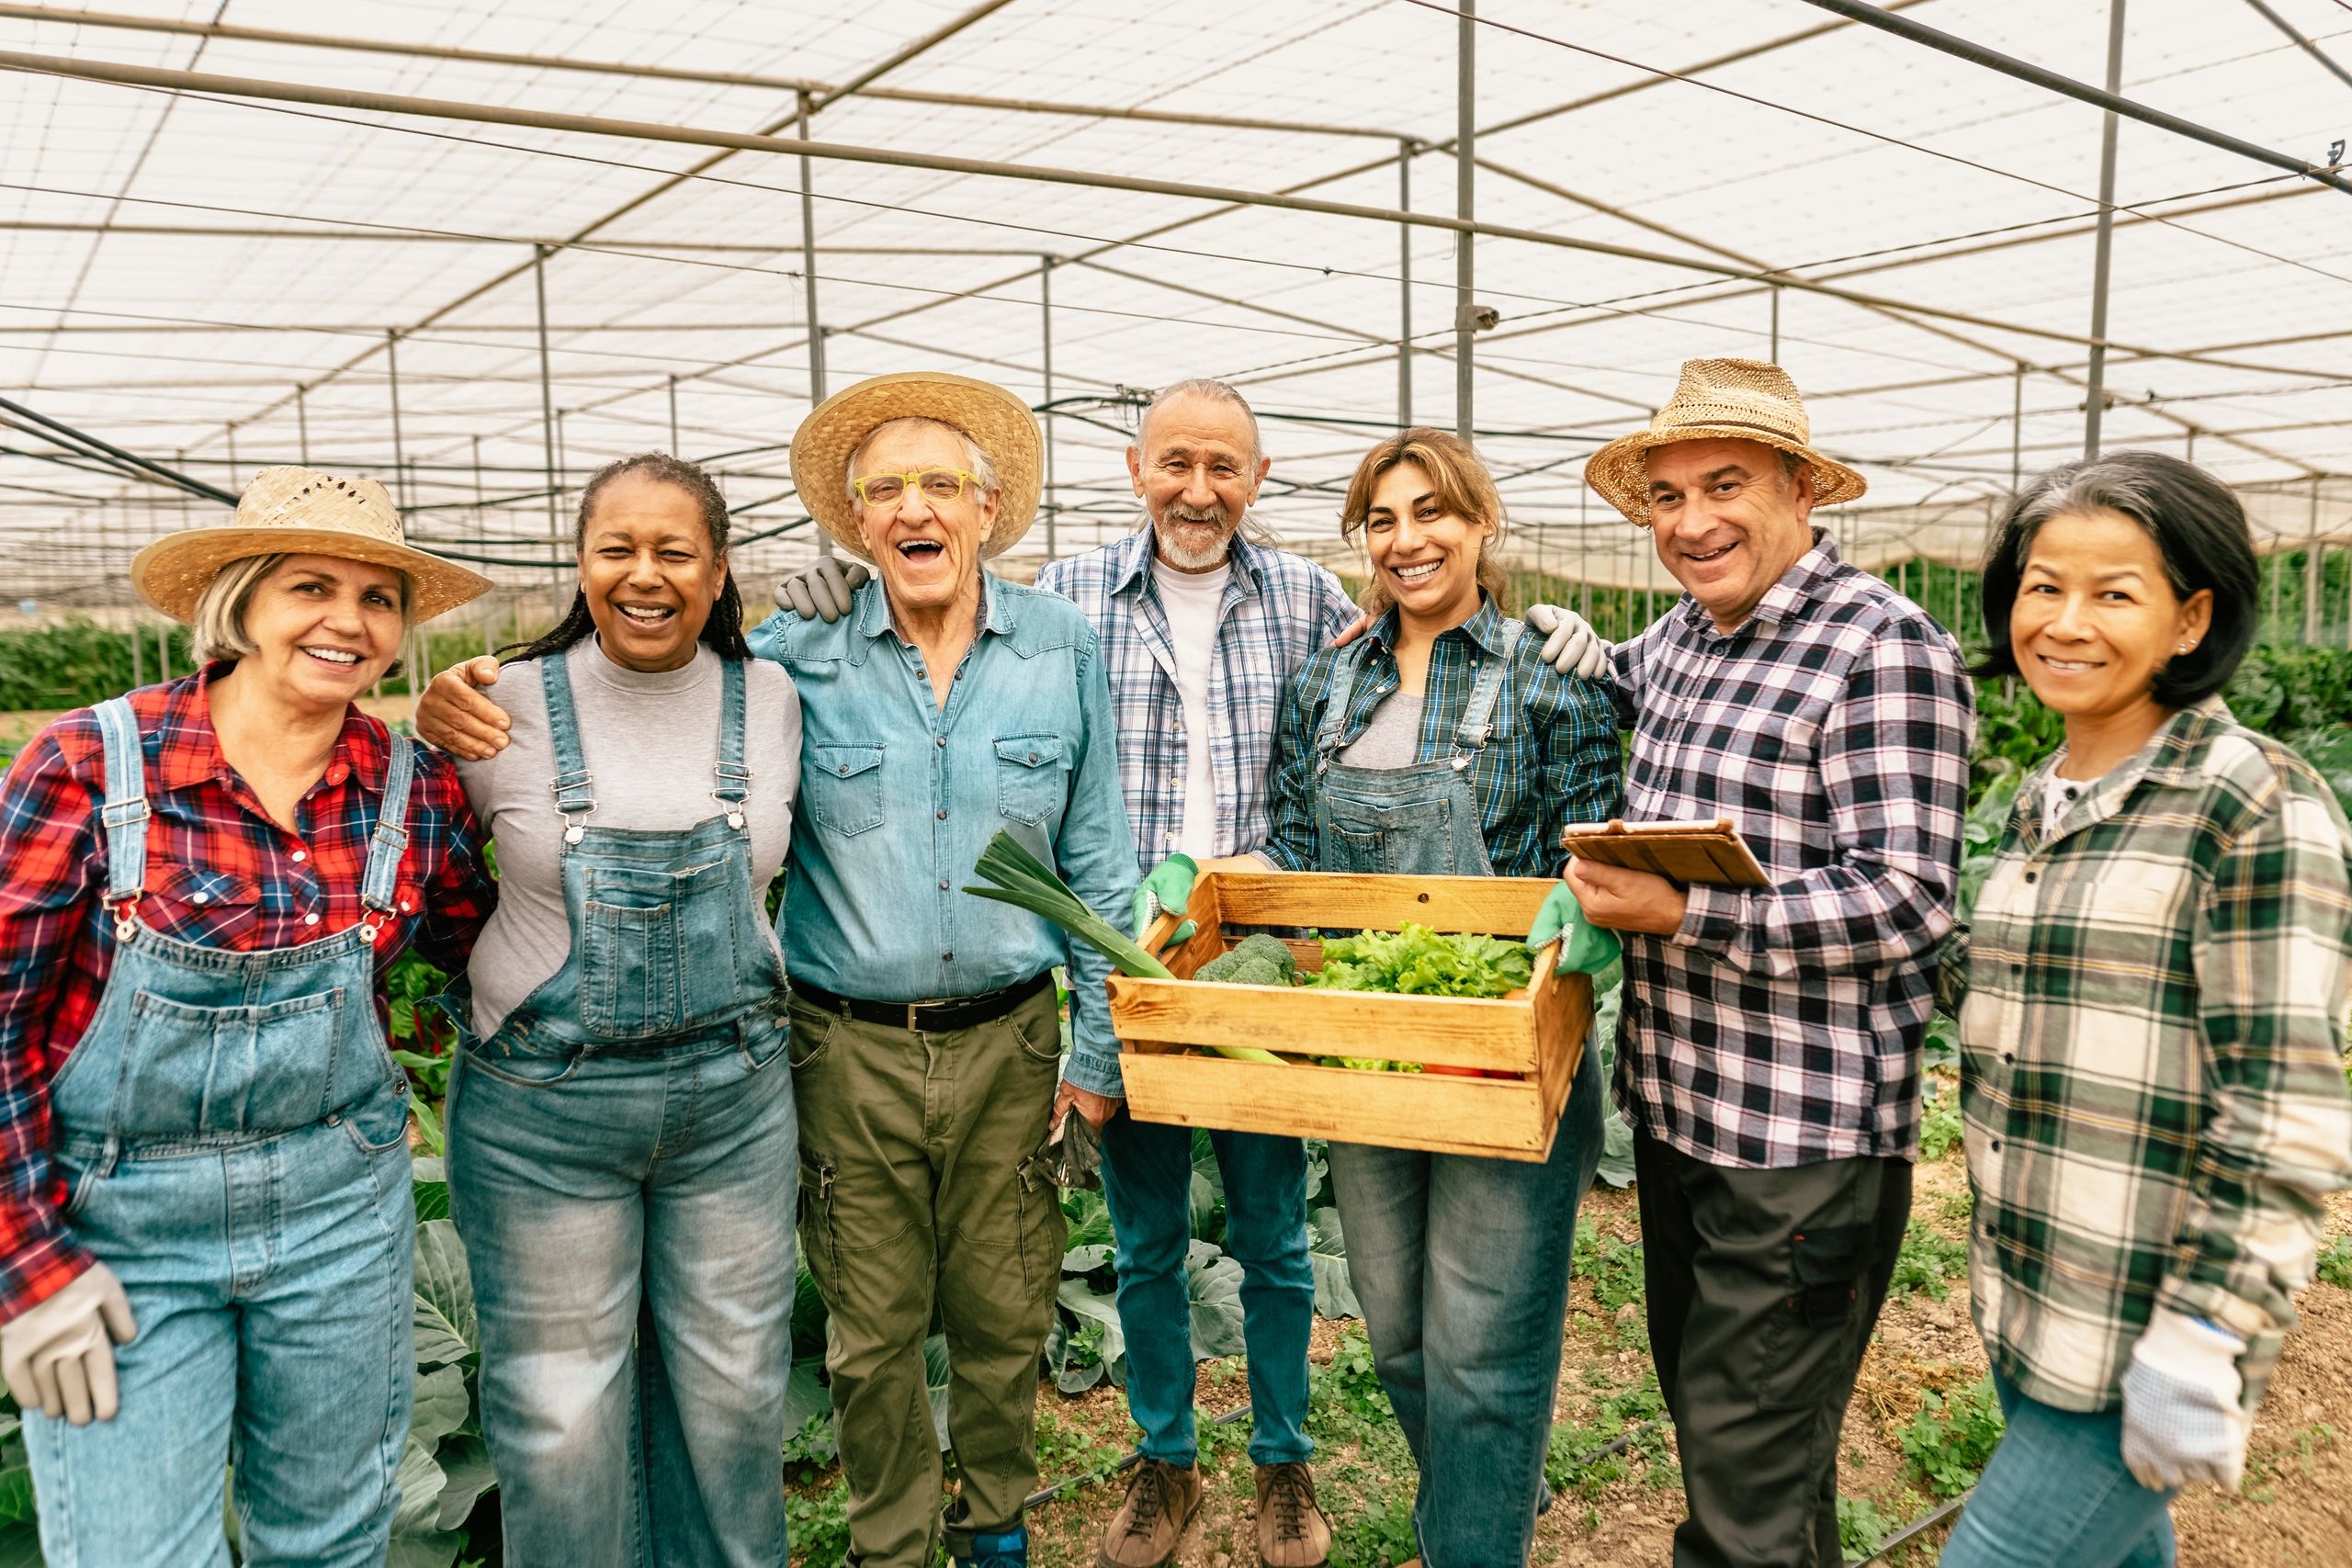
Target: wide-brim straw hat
point(301, 512)
point(1731, 399)
point(999, 423)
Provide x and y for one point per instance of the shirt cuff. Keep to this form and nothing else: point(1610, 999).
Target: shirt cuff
point(45, 1269)
point(1094, 1072)
point(1711, 919)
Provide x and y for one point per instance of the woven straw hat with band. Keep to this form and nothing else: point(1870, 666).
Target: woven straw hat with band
point(999, 423)
point(1736, 400)
point(300, 511)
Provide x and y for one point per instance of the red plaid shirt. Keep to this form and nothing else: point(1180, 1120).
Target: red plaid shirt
point(219, 873)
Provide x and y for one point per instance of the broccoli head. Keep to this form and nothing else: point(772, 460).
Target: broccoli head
point(1259, 960)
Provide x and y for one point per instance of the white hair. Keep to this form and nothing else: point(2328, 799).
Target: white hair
point(1212, 391)
point(217, 626)
point(975, 460)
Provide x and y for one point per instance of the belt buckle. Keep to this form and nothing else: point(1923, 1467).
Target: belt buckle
point(913, 1027)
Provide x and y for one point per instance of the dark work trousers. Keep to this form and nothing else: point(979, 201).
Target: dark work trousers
point(1764, 1286)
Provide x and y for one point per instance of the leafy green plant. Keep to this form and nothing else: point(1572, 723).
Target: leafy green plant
point(1420, 962)
point(1942, 1128)
point(1949, 1443)
point(1925, 1261)
point(2336, 1263)
point(1613, 1268)
point(1861, 1528)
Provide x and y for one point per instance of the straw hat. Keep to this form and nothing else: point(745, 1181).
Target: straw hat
point(1734, 400)
point(299, 512)
point(999, 423)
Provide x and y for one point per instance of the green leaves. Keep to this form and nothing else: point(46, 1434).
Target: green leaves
point(1022, 879)
point(1420, 962)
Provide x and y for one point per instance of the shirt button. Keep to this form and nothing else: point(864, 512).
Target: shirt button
point(312, 918)
point(2017, 968)
point(947, 958)
point(2029, 878)
point(943, 885)
point(943, 814)
point(301, 854)
point(1996, 1146)
point(942, 740)
point(203, 897)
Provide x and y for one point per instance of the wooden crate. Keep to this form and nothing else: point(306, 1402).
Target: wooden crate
point(1537, 1037)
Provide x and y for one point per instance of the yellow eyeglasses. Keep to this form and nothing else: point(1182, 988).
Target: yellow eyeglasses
point(937, 485)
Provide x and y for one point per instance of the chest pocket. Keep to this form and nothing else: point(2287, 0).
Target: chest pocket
point(210, 909)
point(843, 788)
point(658, 948)
point(1031, 786)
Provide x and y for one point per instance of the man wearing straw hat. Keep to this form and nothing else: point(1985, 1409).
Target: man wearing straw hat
point(945, 704)
point(1770, 1054)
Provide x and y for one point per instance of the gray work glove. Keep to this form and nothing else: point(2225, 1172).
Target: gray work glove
point(2183, 1419)
point(58, 1357)
point(820, 590)
point(1570, 646)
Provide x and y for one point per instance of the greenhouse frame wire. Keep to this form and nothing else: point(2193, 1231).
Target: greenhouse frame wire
point(1209, 266)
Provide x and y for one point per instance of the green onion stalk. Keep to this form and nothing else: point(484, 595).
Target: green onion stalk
point(1022, 879)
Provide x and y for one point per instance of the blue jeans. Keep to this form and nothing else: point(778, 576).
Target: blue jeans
point(597, 1192)
point(1148, 1181)
point(2056, 1494)
point(1462, 1265)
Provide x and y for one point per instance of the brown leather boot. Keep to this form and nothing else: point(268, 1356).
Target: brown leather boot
point(1162, 1500)
point(1292, 1531)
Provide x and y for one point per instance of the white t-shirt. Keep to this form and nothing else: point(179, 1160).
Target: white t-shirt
point(1190, 600)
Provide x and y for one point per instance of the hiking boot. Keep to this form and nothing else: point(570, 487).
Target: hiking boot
point(1292, 1531)
point(1005, 1549)
point(1162, 1500)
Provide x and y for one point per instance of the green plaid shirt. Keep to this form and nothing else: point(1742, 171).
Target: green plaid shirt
point(2151, 1066)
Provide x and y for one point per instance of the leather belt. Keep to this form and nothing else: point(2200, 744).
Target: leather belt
point(938, 1018)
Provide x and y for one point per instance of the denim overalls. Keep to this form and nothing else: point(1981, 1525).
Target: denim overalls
point(233, 1134)
point(1461, 1263)
point(623, 1156)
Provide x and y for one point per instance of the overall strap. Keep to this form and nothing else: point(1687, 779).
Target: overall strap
point(377, 887)
point(125, 813)
point(575, 799)
point(1346, 671)
point(1479, 716)
point(732, 781)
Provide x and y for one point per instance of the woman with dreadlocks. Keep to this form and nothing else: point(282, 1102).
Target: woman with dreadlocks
point(620, 1120)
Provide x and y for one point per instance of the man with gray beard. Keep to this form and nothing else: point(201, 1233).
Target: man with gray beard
point(1202, 626)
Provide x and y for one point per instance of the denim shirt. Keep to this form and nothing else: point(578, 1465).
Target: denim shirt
point(899, 796)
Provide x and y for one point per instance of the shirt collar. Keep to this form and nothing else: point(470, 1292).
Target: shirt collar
point(996, 608)
point(1131, 560)
point(1485, 627)
point(1784, 599)
point(191, 753)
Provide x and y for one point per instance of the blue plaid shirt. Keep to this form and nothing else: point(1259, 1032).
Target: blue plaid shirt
point(1553, 759)
point(1279, 609)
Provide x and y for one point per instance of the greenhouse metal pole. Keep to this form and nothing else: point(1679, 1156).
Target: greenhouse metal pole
point(392, 364)
point(1776, 324)
point(1465, 176)
point(1404, 287)
point(674, 416)
point(808, 279)
point(2314, 573)
point(229, 431)
point(1046, 339)
point(547, 431)
point(2017, 432)
point(2103, 248)
point(302, 422)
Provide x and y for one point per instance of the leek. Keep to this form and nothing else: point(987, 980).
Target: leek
point(1022, 880)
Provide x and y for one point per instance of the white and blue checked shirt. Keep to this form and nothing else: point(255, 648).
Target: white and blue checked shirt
point(1278, 609)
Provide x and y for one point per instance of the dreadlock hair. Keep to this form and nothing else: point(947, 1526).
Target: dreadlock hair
point(724, 630)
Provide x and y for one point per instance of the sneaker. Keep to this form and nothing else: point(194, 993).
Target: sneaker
point(1162, 1500)
point(1006, 1549)
point(1292, 1531)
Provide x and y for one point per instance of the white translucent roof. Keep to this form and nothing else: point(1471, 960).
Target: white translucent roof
point(217, 281)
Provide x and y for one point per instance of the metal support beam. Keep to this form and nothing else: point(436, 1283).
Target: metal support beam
point(2103, 248)
point(1465, 178)
point(1886, 20)
point(808, 276)
point(302, 422)
point(1045, 342)
point(2016, 433)
point(2314, 573)
point(546, 422)
point(1404, 287)
point(400, 450)
point(674, 416)
point(1776, 324)
point(2306, 45)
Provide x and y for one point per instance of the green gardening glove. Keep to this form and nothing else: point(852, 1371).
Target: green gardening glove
point(1585, 948)
point(1168, 887)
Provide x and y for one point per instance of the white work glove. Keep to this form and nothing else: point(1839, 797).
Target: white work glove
point(58, 1357)
point(820, 590)
point(1569, 645)
point(2182, 1418)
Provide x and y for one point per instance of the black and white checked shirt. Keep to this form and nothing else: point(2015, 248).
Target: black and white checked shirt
point(1781, 1025)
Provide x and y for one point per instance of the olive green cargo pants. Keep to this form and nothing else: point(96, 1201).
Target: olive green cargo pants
point(920, 1185)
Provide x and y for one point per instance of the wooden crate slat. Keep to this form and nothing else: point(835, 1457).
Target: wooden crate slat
point(1457, 1031)
point(1497, 905)
point(1489, 1117)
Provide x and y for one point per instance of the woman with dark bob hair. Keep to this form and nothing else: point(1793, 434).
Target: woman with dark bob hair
point(2152, 978)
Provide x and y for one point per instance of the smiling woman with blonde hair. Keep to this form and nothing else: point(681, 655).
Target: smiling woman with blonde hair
point(205, 1219)
point(2154, 983)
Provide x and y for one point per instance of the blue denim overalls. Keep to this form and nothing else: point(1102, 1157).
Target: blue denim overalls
point(1461, 1263)
point(623, 1154)
point(233, 1133)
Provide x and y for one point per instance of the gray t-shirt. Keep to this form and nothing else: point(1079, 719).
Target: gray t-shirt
point(651, 741)
point(1389, 740)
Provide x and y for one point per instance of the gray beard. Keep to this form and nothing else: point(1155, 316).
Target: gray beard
point(1191, 560)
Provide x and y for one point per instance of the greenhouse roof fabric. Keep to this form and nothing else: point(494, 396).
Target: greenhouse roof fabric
point(329, 230)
